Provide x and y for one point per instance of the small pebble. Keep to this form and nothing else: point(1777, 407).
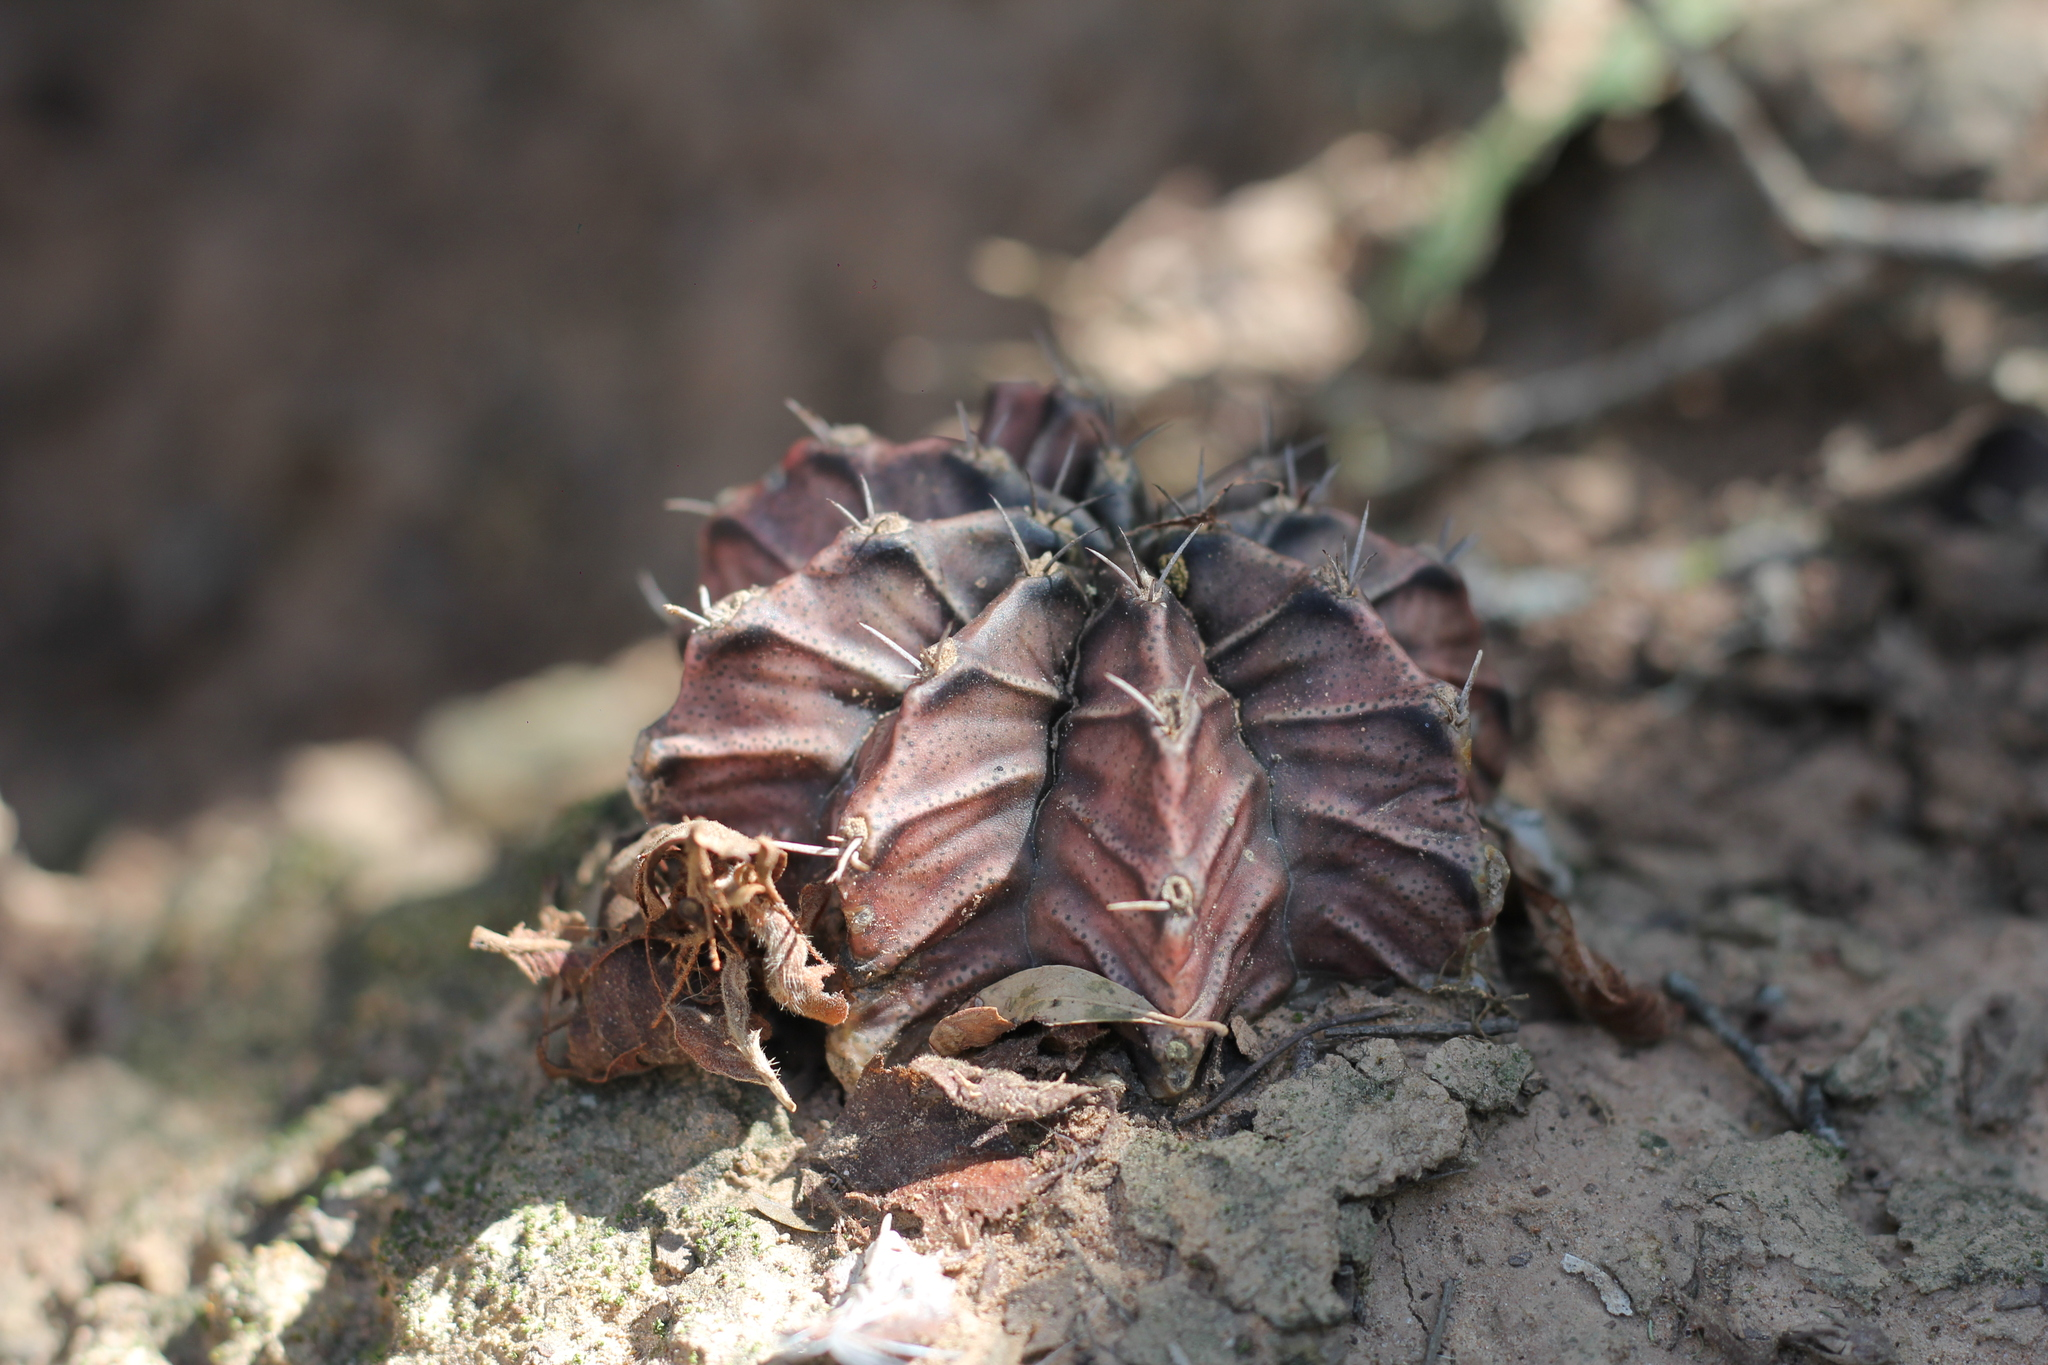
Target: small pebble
point(673, 1257)
point(1519, 1259)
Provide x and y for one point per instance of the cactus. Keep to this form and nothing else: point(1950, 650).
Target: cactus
point(976, 705)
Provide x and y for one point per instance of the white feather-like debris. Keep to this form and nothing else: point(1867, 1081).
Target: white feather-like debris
point(889, 1304)
point(1612, 1296)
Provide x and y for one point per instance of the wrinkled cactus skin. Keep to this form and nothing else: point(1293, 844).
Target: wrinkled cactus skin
point(1245, 718)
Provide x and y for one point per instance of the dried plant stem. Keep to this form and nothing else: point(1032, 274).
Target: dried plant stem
point(1443, 1028)
point(1804, 1105)
point(1970, 233)
point(1443, 1318)
point(1503, 411)
point(1350, 1026)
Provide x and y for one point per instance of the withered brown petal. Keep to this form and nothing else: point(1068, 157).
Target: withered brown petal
point(622, 1024)
point(1145, 811)
point(912, 1123)
point(986, 948)
point(998, 1095)
point(1598, 989)
point(795, 980)
point(945, 787)
point(1389, 864)
point(734, 987)
point(727, 871)
point(900, 1125)
point(770, 529)
point(982, 1192)
point(538, 956)
point(964, 1030)
point(774, 702)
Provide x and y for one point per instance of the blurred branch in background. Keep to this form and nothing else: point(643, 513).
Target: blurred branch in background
point(1493, 411)
point(1256, 290)
point(1308, 293)
point(1984, 235)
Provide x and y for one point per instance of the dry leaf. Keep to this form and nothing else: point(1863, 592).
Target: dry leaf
point(539, 956)
point(1598, 988)
point(993, 1093)
point(1073, 995)
point(964, 1030)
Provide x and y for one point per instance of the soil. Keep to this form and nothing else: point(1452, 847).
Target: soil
point(1778, 748)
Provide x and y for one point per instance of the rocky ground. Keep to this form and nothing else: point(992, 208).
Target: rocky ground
point(1791, 739)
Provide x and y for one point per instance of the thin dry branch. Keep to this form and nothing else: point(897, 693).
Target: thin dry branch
point(1969, 233)
point(1493, 411)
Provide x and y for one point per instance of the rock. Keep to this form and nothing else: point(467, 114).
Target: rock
point(1862, 1074)
point(121, 1324)
point(524, 1219)
point(1846, 1342)
point(1962, 1232)
point(157, 1261)
point(365, 804)
point(558, 1219)
point(1613, 1297)
point(512, 757)
point(1777, 1199)
point(1177, 1324)
point(673, 1258)
point(1260, 1210)
point(2004, 1052)
point(1357, 1232)
point(328, 1233)
point(254, 1299)
point(1484, 1076)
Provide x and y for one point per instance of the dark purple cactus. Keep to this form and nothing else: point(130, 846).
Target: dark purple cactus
point(1007, 719)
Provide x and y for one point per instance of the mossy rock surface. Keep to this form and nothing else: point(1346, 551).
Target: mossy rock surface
point(536, 1215)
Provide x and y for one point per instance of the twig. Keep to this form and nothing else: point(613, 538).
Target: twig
point(1807, 1109)
point(1442, 1175)
point(1971, 233)
point(1813, 1112)
point(1443, 1317)
point(1503, 411)
point(1353, 1026)
point(1244, 1077)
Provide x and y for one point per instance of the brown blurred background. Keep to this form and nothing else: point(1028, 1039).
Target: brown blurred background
point(347, 350)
